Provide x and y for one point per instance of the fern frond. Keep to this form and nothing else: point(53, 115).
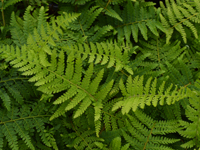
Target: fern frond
point(85, 139)
point(142, 137)
point(110, 12)
point(136, 95)
point(109, 54)
point(16, 31)
point(5, 98)
point(161, 52)
point(80, 2)
point(180, 15)
point(116, 144)
point(113, 120)
point(100, 33)
point(29, 22)
point(42, 20)
point(82, 26)
point(54, 75)
point(56, 78)
point(21, 124)
point(135, 19)
point(92, 78)
point(37, 2)
point(9, 3)
point(191, 129)
point(114, 2)
point(13, 89)
point(184, 77)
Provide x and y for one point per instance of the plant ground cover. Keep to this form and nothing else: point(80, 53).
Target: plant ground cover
point(99, 75)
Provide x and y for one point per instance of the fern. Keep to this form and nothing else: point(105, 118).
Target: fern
point(113, 120)
point(179, 15)
point(136, 95)
point(13, 87)
point(115, 144)
point(84, 139)
point(21, 123)
point(8, 3)
point(37, 2)
point(62, 79)
point(85, 21)
point(191, 128)
point(106, 77)
point(135, 21)
point(146, 137)
point(81, 2)
point(160, 52)
point(109, 54)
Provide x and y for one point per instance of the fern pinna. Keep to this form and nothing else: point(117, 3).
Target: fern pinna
point(20, 118)
point(106, 75)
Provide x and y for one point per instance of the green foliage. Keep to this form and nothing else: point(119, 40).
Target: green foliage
point(25, 123)
point(142, 132)
point(99, 75)
point(136, 94)
point(13, 87)
point(177, 15)
point(191, 127)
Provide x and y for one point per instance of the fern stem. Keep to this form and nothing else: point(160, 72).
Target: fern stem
point(76, 7)
point(107, 4)
point(73, 84)
point(3, 14)
point(83, 32)
point(13, 79)
point(158, 51)
point(148, 137)
point(23, 118)
point(123, 72)
point(103, 129)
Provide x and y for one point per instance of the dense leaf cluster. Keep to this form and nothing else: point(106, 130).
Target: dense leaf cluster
point(99, 75)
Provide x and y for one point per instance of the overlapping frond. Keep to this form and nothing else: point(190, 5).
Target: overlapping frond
point(9, 3)
point(56, 72)
point(95, 70)
point(113, 120)
point(182, 77)
point(136, 19)
point(179, 16)
point(160, 51)
point(145, 133)
point(191, 128)
point(82, 26)
point(84, 140)
point(13, 88)
point(58, 77)
point(21, 123)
